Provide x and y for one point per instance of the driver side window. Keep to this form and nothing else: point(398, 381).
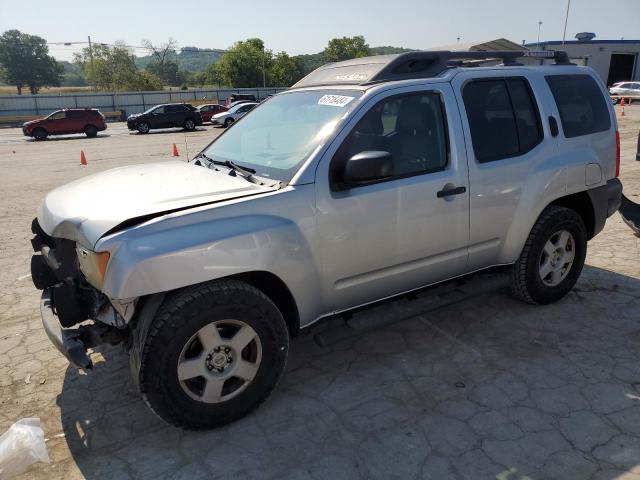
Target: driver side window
point(410, 127)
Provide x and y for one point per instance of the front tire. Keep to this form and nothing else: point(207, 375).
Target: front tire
point(143, 127)
point(90, 131)
point(552, 258)
point(213, 353)
point(228, 122)
point(189, 124)
point(40, 134)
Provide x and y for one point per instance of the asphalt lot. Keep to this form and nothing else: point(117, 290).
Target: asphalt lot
point(464, 382)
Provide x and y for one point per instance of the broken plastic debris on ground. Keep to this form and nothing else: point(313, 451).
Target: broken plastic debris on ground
point(20, 446)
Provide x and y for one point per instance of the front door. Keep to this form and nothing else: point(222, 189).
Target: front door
point(410, 230)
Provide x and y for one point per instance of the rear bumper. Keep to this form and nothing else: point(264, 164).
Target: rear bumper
point(606, 200)
point(66, 340)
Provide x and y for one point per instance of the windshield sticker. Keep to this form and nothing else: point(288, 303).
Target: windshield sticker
point(349, 77)
point(335, 100)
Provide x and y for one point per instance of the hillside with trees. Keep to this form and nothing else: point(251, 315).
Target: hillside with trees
point(25, 63)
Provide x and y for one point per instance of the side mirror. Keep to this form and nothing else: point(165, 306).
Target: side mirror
point(367, 167)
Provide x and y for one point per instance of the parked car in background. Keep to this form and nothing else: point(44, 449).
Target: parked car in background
point(166, 116)
point(209, 110)
point(628, 90)
point(69, 120)
point(235, 113)
point(236, 97)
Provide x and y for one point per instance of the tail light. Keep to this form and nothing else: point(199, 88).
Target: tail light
point(617, 153)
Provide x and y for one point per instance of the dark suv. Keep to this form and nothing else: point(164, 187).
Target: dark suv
point(165, 116)
point(69, 120)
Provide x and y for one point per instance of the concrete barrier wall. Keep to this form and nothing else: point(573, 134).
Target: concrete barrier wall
point(130, 102)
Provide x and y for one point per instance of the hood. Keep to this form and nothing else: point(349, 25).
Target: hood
point(133, 115)
point(86, 209)
point(221, 114)
point(32, 122)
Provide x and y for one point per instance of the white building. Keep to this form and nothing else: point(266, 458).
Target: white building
point(614, 60)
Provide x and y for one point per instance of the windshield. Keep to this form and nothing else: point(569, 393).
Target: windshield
point(276, 137)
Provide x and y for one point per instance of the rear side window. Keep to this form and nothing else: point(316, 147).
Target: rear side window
point(503, 118)
point(581, 105)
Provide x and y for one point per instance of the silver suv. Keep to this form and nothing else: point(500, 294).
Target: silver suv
point(369, 179)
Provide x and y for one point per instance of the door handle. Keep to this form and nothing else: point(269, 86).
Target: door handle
point(451, 191)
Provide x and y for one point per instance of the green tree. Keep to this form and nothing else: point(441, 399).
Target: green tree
point(285, 70)
point(212, 75)
point(243, 64)
point(345, 48)
point(164, 62)
point(114, 69)
point(26, 61)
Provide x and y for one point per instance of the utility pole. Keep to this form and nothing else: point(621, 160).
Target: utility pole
point(264, 73)
point(566, 18)
point(91, 58)
point(539, 27)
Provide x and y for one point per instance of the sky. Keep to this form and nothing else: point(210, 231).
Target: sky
point(301, 26)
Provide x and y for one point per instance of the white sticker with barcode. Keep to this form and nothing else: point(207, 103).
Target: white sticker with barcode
point(335, 100)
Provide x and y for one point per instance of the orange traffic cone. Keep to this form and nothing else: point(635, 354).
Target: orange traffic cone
point(83, 159)
point(175, 151)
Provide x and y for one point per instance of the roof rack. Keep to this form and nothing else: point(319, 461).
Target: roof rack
point(410, 65)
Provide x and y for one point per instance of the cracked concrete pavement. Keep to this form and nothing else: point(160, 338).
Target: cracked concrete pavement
point(471, 385)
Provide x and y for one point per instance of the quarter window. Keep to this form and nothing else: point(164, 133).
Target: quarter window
point(503, 118)
point(582, 108)
point(410, 127)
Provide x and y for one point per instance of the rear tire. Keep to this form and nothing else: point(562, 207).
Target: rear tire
point(552, 258)
point(40, 134)
point(143, 127)
point(196, 371)
point(189, 124)
point(90, 131)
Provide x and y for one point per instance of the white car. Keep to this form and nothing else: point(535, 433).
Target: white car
point(236, 112)
point(626, 89)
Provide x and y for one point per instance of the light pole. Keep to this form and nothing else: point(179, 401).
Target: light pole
point(539, 28)
point(566, 18)
point(264, 73)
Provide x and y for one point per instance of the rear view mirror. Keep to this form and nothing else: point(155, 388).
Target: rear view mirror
point(368, 167)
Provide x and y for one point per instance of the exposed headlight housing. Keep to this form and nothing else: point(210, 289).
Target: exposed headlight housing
point(93, 265)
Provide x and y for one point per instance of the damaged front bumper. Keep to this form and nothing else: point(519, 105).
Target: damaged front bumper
point(66, 340)
point(73, 343)
point(68, 302)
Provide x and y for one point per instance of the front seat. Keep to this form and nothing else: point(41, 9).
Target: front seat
point(415, 145)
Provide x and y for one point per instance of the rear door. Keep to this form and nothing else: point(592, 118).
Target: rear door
point(512, 158)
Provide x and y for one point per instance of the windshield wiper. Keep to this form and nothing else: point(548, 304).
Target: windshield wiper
point(235, 166)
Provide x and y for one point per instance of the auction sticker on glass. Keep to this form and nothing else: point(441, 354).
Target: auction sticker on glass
point(335, 100)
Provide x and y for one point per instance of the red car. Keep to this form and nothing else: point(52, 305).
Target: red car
point(209, 110)
point(70, 120)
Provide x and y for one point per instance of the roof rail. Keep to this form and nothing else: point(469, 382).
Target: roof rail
point(410, 65)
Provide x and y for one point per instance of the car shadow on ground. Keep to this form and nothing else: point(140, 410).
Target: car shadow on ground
point(57, 138)
point(168, 130)
point(478, 387)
